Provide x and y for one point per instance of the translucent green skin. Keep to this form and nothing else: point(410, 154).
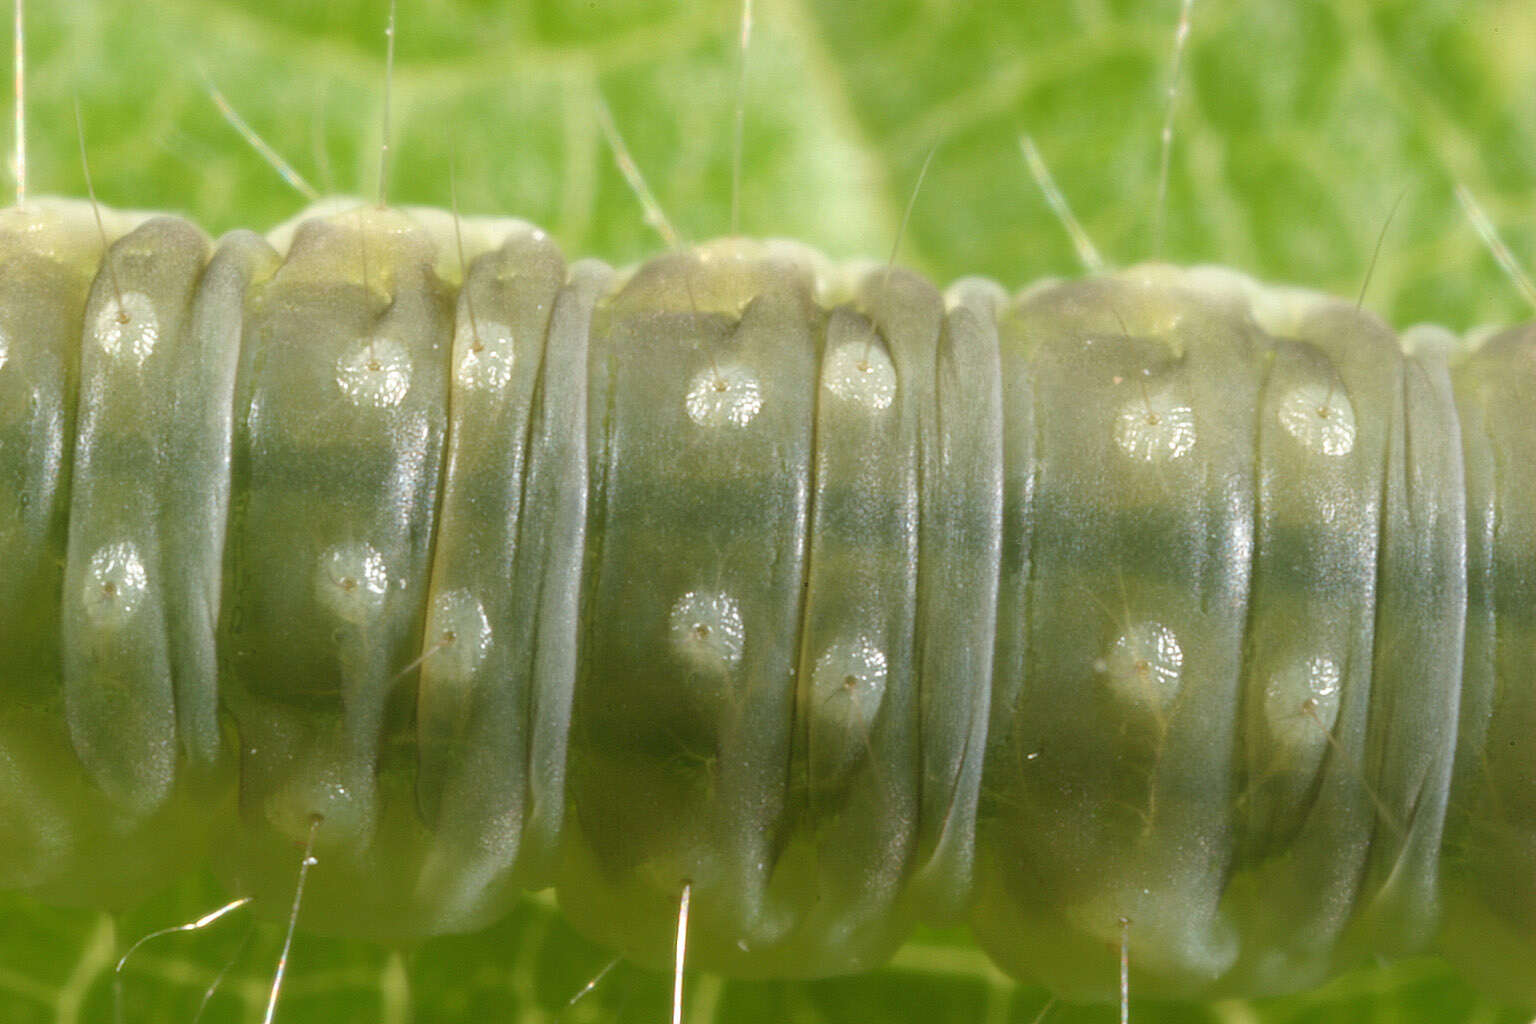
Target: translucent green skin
point(849, 604)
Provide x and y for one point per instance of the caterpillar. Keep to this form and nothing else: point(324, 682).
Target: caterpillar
point(1049, 231)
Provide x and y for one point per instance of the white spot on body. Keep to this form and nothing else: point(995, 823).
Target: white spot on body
point(115, 585)
point(707, 630)
point(861, 372)
point(375, 372)
point(127, 328)
point(1301, 704)
point(314, 789)
point(1155, 428)
point(1320, 418)
point(848, 685)
point(458, 636)
point(727, 395)
point(351, 580)
point(487, 354)
point(5, 347)
point(1144, 665)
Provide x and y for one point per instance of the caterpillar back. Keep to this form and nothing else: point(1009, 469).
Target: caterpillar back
point(1134, 605)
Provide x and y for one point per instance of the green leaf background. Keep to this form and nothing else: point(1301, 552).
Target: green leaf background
point(1299, 123)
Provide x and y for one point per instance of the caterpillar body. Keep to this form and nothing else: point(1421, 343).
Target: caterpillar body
point(1148, 604)
point(41, 745)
